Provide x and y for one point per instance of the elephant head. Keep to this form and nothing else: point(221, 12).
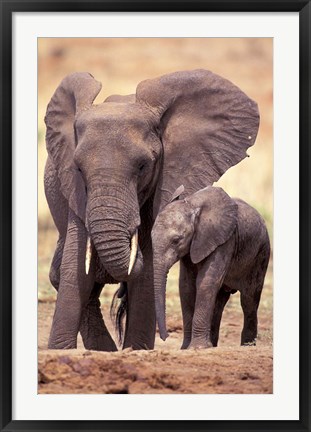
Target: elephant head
point(196, 225)
point(115, 157)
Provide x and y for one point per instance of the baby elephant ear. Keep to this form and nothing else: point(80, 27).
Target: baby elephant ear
point(216, 221)
point(121, 98)
point(206, 125)
point(74, 94)
point(180, 190)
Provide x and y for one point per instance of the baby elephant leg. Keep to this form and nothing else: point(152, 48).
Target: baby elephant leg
point(211, 274)
point(187, 291)
point(250, 298)
point(249, 303)
point(221, 301)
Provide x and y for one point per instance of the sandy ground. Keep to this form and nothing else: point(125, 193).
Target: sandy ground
point(228, 368)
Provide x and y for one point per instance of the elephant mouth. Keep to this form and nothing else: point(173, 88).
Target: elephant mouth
point(135, 260)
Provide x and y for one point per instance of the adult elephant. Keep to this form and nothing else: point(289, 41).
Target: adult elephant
point(111, 167)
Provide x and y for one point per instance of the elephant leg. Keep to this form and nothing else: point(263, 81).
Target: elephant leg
point(249, 305)
point(221, 301)
point(73, 287)
point(140, 321)
point(207, 290)
point(250, 297)
point(211, 274)
point(93, 330)
point(187, 292)
point(140, 325)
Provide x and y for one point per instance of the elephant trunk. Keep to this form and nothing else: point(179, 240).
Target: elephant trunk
point(160, 279)
point(114, 233)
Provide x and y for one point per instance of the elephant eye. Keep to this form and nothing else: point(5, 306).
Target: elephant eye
point(157, 131)
point(144, 163)
point(176, 239)
point(141, 168)
point(80, 171)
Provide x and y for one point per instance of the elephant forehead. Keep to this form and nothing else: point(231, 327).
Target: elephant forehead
point(172, 218)
point(113, 117)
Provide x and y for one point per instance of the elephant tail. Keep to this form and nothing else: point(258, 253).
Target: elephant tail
point(118, 310)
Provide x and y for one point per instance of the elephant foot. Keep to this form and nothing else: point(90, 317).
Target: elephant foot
point(214, 344)
point(93, 330)
point(185, 344)
point(99, 343)
point(250, 343)
point(249, 337)
point(60, 338)
point(62, 343)
point(197, 344)
point(136, 346)
point(214, 340)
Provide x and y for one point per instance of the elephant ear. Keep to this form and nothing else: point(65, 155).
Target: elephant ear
point(176, 195)
point(121, 98)
point(216, 221)
point(206, 125)
point(75, 93)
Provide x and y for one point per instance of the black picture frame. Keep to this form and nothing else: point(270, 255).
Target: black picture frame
point(7, 9)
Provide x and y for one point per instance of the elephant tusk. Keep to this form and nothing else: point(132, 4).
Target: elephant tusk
point(134, 244)
point(88, 255)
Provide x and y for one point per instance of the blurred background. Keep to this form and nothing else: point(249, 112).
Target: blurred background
point(120, 64)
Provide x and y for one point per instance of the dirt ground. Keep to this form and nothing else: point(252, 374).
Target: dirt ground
point(120, 64)
point(228, 368)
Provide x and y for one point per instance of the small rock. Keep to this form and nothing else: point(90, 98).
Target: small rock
point(65, 359)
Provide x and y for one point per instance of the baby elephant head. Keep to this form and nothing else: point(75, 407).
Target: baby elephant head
point(198, 224)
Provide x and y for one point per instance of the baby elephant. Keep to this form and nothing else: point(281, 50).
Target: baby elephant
point(223, 246)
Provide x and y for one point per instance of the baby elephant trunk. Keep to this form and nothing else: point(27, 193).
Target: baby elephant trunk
point(160, 279)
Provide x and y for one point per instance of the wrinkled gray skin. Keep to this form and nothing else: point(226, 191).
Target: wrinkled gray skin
point(223, 247)
point(111, 167)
